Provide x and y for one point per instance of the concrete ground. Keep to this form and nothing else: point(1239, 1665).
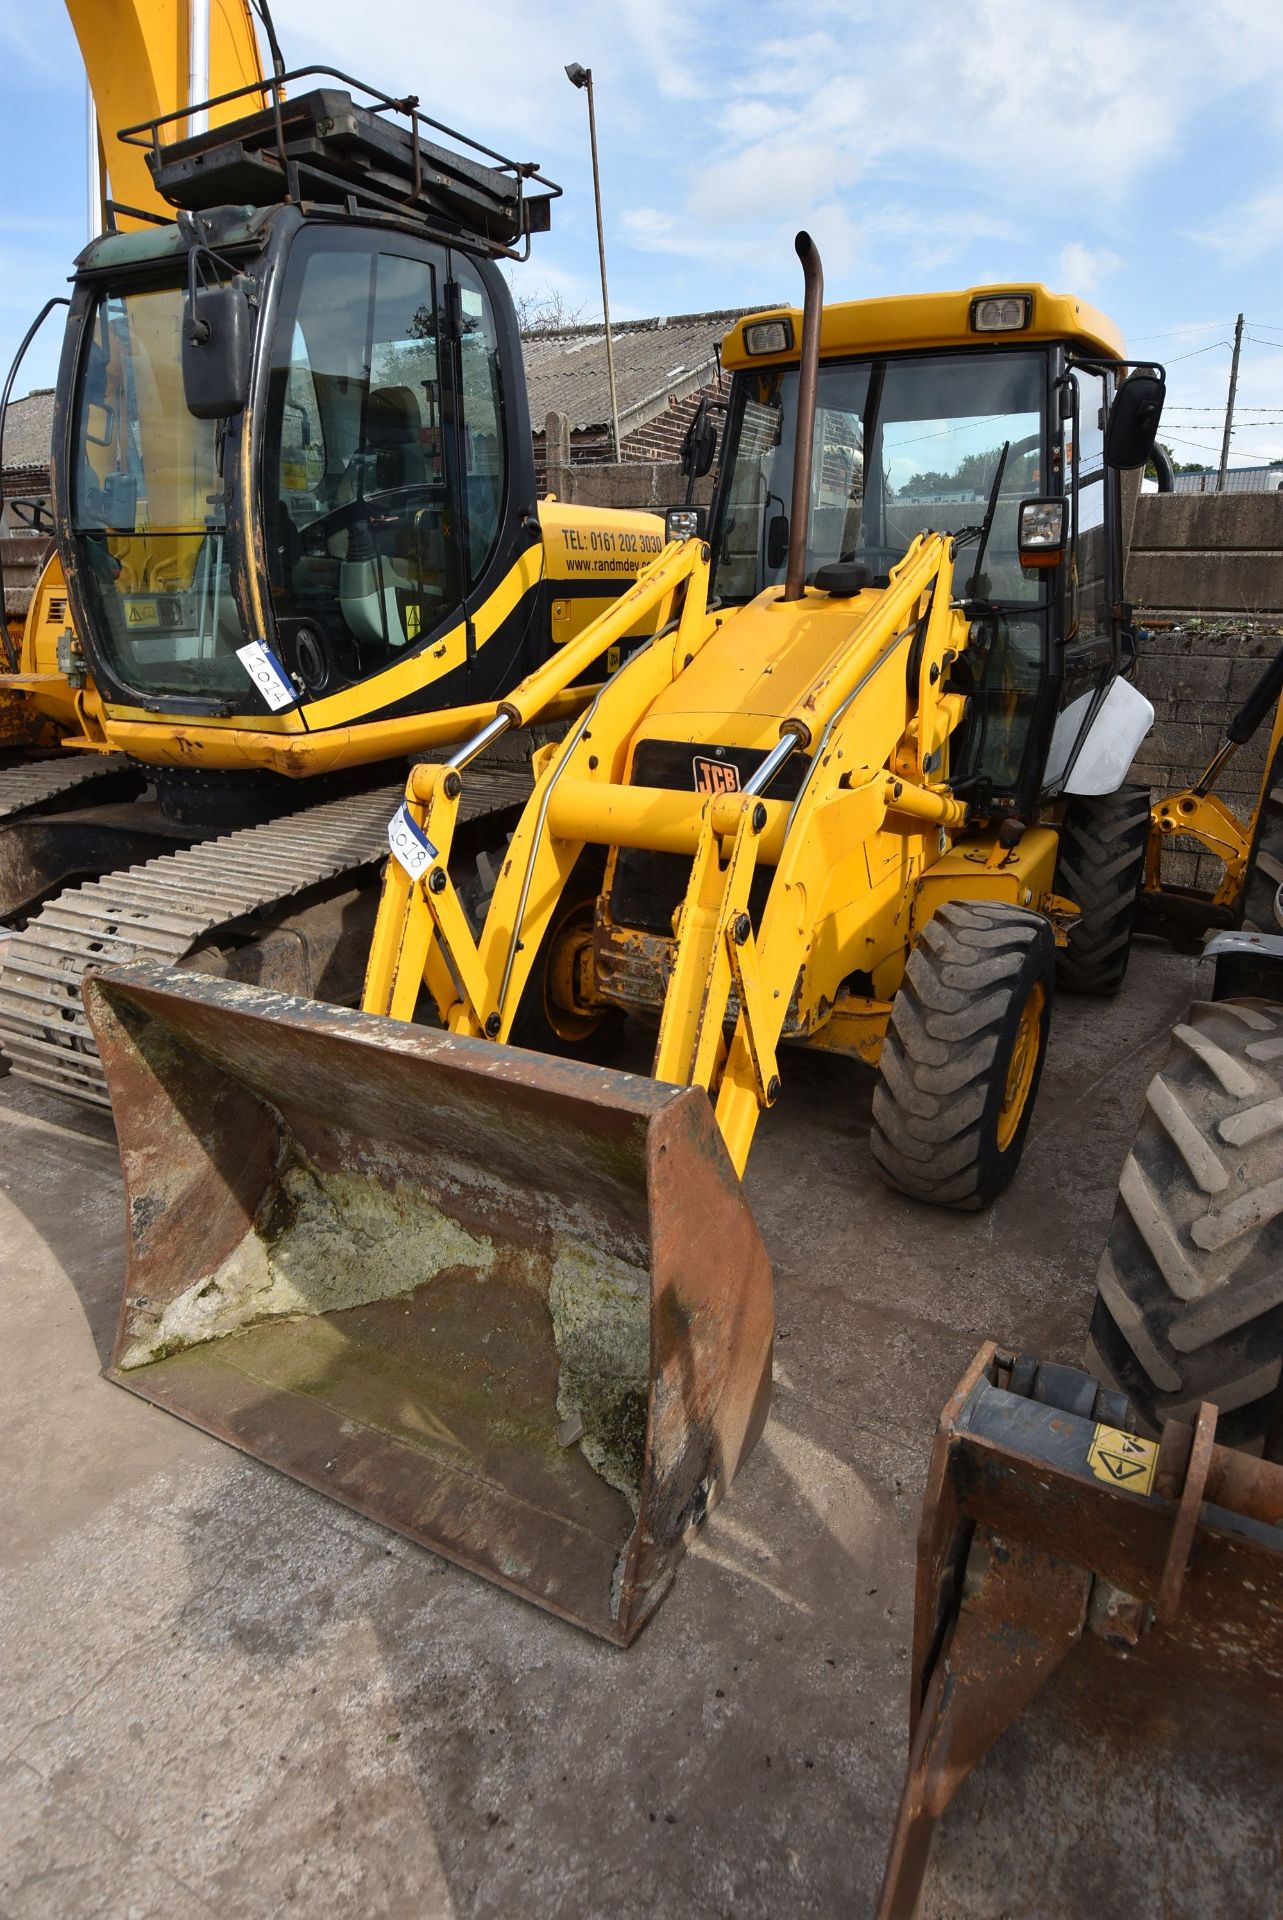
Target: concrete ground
point(223, 1695)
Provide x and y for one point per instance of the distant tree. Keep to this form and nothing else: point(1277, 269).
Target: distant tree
point(1178, 466)
point(973, 474)
point(544, 310)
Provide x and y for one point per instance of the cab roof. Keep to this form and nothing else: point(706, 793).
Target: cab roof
point(905, 322)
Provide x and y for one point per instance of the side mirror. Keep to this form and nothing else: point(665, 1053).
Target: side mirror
point(1133, 420)
point(777, 541)
point(699, 446)
point(217, 336)
point(1044, 531)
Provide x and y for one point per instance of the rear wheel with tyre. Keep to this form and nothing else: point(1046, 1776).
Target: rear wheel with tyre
point(964, 1053)
point(1189, 1302)
point(1101, 868)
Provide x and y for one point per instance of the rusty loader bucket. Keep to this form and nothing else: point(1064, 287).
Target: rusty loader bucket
point(1097, 1708)
point(515, 1307)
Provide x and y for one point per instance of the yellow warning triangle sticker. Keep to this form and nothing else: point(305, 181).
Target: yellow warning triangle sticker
point(1123, 1459)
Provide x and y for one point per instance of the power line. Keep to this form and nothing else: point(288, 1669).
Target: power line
point(1203, 326)
point(1197, 350)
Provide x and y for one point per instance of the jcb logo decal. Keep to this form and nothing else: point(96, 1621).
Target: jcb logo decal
point(715, 776)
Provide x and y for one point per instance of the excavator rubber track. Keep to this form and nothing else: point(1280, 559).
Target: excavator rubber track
point(163, 909)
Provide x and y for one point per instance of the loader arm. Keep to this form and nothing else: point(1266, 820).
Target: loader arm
point(869, 773)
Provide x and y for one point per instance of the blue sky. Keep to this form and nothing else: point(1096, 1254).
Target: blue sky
point(1129, 152)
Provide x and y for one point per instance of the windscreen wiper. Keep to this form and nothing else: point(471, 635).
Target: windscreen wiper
point(986, 526)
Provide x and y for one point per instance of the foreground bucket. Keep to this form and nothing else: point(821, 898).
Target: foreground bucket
point(1097, 1706)
point(515, 1307)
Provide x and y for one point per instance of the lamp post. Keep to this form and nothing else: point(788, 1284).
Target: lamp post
point(582, 77)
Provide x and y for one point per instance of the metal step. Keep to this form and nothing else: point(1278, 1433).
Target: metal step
point(166, 907)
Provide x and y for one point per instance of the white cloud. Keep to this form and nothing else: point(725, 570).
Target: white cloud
point(1247, 229)
point(1082, 269)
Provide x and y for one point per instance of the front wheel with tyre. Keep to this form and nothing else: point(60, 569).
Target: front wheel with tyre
point(1101, 868)
point(963, 1054)
point(556, 1015)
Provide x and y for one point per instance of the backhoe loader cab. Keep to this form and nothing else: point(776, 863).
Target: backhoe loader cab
point(949, 413)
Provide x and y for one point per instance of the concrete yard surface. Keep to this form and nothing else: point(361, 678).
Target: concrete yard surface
point(224, 1695)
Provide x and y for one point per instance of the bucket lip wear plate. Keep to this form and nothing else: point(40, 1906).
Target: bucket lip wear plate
point(216, 1084)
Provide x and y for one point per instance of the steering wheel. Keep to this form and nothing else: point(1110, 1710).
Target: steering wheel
point(376, 509)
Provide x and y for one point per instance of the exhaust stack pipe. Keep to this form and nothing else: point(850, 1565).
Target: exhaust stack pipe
point(804, 439)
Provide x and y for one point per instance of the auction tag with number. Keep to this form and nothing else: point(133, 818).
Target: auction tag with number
point(411, 847)
point(268, 675)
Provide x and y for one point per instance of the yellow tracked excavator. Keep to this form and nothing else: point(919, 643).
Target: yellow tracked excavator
point(299, 534)
point(514, 1304)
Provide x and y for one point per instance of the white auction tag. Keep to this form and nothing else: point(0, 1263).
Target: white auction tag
point(268, 675)
point(410, 845)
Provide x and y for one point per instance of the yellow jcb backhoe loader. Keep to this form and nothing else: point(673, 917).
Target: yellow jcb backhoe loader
point(516, 1306)
point(299, 536)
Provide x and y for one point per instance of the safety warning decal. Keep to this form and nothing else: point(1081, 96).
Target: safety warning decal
point(1123, 1459)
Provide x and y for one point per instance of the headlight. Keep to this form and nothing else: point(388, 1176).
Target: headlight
point(1001, 313)
point(768, 336)
point(682, 523)
point(1044, 529)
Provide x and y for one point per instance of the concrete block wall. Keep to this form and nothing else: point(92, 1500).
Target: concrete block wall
point(653, 484)
point(1205, 573)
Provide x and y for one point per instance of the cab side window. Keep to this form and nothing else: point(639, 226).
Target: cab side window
point(362, 554)
point(1087, 466)
point(483, 456)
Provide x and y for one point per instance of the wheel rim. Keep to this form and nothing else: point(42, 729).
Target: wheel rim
point(570, 1022)
point(1021, 1066)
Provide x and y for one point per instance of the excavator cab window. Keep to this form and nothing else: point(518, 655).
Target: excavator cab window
point(358, 454)
point(482, 458)
point(148, 505)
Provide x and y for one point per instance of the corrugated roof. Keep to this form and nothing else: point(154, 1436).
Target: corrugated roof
point(1237, 480)
point(566, 370)
point(28, 431)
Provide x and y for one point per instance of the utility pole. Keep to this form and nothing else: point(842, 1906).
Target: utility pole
point(1229, 405)
point(581, 77)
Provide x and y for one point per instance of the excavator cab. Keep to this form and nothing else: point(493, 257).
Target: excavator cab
point(295, 459)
